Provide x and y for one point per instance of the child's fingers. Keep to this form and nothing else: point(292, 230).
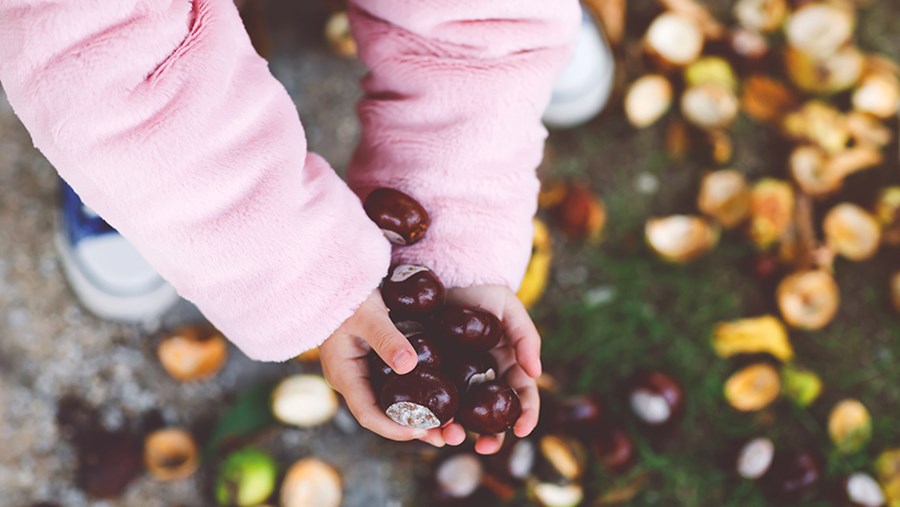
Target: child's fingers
point(530, 398)
point(376, 328)
point(454, 434)
point(522, 335)
point(489, 444)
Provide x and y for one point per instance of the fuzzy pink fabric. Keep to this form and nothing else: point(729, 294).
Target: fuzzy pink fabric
point(166, 122)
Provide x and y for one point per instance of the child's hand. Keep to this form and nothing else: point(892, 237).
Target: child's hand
point(518, 355)
point(346, 368)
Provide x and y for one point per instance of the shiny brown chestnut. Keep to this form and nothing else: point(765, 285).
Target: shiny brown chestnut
point(515, 459)
point(469, 327)
point(401, 218)
point(754, 458)
point(410, 290)
point(490, 408)
point(421, 399)
point(795, 475)
point(471, 369)
point(656, 398)
point(427, 350)
point(614, 450)
point(580, 415)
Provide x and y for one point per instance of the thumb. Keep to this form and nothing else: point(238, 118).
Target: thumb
point(387, 341)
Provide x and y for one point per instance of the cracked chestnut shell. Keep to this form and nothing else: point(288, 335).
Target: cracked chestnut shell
point(411, 290)
point(421, 399)
point(426, 348)
point(469, 327)
point(471, 369)
point(490, 408)
point(401, 218)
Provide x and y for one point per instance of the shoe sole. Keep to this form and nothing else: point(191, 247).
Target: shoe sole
point(139, 308)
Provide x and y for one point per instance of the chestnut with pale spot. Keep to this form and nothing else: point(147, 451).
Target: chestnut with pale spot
point(400, 217)
point(859, 490)
point(755, 458)
point(469, 327)
point(422, 399)
point(412, 291)
point(490, 408)
point(471, 369)
point(427, 351)
point(656, 399)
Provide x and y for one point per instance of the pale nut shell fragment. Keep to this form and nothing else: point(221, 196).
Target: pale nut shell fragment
point(709, 105)
point(808, 299)
point(675, 38)
point(338, 35)
point(878, 95)
point(895, 290)
point(852, 232)
point(304, 401)
point(837, 73)
point(311, 483)
point(647, 100)
point(753, 388)
point(820, 28)
point(849, 426)
point(764, 334)
point(725, 196)
point(760, 15)
point(193, 353)
point(681, 238)
point(170, 454)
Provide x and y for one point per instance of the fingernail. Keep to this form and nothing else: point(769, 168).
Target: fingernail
point(401, 358)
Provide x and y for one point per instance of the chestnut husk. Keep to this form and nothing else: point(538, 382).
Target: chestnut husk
point(468, 327)
point(489, 408)
point(411, 291)
point(429, 389)
point(402, 219)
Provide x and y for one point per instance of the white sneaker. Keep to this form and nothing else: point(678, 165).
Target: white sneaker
point(583, 88)
point(109, 277)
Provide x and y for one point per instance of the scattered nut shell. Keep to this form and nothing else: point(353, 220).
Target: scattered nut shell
point(808, 299)
point(764, 334)
point(852, 232)
point(800, 385)
point(895, 290)
point(820, 28)
point(888, 468)
point(850, 426)
point(771, 211)
point(675, 38)
point(338, 35)
point(753, 388)
point(725, 196)
point(170, 454)
point(647, 100)
point(711, 69)
point(887, 211)
point(681, 238)
point(538, 272)
point(836, 73)
point(562, 458)
point(304, 401)
point(581, 214)
point(766, 99)
point(548, 494)
point(878, 95)
point(709, 105)
point(193, 353)
point(311, 483)
point(760, 15)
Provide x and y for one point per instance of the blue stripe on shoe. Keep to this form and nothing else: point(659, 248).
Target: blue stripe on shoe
point(78, 221)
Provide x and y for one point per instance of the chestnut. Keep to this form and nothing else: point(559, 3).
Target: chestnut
point(401, 218)
point(614, 450)
point(428, 356)
point(514, 461)
point(656, 399)
point(754, 458)
point(469, 327)
point(859, 490)
point(794, 476)
point(421, 399)
point(410, 290)
point(471, 369)
point(581, 416)
point(490, 408)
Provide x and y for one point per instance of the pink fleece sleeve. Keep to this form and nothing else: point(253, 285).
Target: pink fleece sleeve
point(163, 118)
point(451, 115)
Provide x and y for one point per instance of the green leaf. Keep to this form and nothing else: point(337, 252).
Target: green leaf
point(248, 416)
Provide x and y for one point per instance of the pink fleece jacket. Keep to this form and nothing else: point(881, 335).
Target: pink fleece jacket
point(166, 122)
